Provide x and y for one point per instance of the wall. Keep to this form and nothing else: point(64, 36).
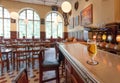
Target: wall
point(117, 10)
point(103, 12)
point(42, 10)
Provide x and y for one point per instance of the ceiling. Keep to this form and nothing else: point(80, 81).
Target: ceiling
point(44, 2)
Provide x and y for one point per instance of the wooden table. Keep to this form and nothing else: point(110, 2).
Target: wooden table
point(107, 71)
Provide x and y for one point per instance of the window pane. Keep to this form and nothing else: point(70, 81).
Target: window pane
point(57, 25)
point(48, 18)
point(1, 12)
point(54, 30)
point(54, 16)
point(36, 17)
point(6, 28)
point(60, 30)
point(36, 29)
point(22, 15)
point(30, 29)
point(30, 14)
point(6, 14)
point(4, 23)
point(48, 29)
point(59, 19)
point(1, 27)
point(22, 29)
point(32, 24)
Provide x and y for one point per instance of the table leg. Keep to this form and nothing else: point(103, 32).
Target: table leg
point(7, 62)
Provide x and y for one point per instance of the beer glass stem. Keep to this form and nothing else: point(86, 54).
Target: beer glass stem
point(92, 59)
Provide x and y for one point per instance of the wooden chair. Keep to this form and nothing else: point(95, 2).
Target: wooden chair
point(3, 60)
point(57, 50)
point(21, 55)
point(60, 57)
point(21, 77)
point(35, 53)
point(46, 65)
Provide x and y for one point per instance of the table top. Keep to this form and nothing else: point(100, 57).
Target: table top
point(6, 50)
point(108, 69)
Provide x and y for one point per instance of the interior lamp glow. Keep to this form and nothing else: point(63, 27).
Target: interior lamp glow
point(118, 38)
point(66, 6)
point(109, 38)
point(14, 15)
point(94, 37)
point(104, 37)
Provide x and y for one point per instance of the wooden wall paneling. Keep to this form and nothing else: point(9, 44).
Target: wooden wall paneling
point(13, 34)
point(66, 35)
point(75, 77)
point(114, 29)
point(43, 36)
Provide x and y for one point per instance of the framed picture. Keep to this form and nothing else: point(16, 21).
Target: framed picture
point(71, 23)
point(13, 20)
point(76, 20)
point(42, 21)
point(87, 15)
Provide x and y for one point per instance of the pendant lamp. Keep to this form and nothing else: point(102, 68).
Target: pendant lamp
point(66, 7)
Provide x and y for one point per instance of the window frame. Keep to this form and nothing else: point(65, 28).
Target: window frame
point(33, 20)
point(3, 23)
point(51, 21)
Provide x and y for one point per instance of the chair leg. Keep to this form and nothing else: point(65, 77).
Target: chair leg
point(41, 75)
point(17, 65)
point(2, 64)
point(57, 76)
point(65, 75)
point(32, 63)
point(63, 66)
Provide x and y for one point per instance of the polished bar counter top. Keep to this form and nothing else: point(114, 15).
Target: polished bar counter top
point(107, 71)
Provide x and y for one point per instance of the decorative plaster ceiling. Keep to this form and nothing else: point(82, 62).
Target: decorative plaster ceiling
point(44, 2)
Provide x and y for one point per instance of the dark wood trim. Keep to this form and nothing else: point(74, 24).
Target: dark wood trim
point(13, 34)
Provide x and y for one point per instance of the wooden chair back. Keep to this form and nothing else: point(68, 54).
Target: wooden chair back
point(41, 57)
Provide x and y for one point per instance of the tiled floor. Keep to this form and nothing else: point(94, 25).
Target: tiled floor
point(33, 75)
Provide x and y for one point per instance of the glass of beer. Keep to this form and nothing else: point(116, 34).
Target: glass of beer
point(92, 51)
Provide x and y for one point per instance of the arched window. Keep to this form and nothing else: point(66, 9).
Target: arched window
point(29, 24)
point(54, 25)
point(4, 22)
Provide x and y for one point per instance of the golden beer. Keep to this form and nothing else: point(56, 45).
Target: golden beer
point(92, 49)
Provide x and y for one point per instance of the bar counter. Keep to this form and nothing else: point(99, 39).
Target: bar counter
point(107, 71)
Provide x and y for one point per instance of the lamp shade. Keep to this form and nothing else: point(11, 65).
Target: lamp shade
point(118, 38)
point(109, 38)
point(66, 6)
point(104, 37)
point(94, 36)
point(14, 15)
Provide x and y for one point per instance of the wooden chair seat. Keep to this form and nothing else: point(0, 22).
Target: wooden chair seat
point(50, 63)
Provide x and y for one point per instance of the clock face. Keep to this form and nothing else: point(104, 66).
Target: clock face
point(76, 5)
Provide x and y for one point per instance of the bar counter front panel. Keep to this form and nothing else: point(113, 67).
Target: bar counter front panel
point(107, 71)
